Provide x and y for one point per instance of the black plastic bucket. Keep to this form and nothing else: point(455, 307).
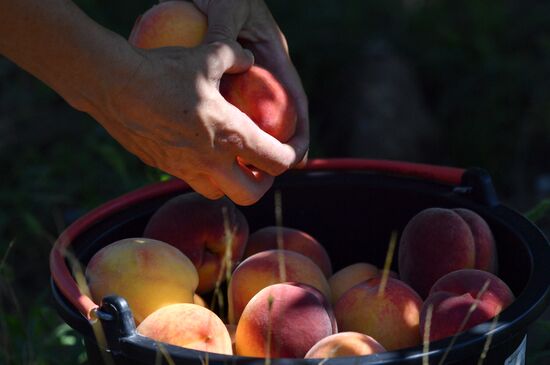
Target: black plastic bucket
point(351, 207)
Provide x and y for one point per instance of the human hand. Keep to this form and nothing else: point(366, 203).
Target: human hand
point(172, 116)
point(251, 22)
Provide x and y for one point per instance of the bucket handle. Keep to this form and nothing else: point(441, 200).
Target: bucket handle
point(442, 174)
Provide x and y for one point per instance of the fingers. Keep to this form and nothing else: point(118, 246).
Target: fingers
point(227, 56)
point(266, 153)
point(288, 76)
point(203, 185)
point(242, 185)
point(225, 18)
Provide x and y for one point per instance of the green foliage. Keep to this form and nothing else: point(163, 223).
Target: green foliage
point(540, 211)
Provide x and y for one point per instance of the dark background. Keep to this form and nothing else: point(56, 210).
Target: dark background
point(442, 82)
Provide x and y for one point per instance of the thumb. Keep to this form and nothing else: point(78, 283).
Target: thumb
point(225, 18)
point(227, 57)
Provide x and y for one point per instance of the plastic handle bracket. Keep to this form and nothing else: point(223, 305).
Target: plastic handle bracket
point(477, 183)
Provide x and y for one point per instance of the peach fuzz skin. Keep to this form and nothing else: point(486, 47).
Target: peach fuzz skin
point(258, 94)
point(344, 344)
point(263, 269)
point(292, 239)
point(455, 294)
point(188, 325)
point(196, 226)
point(349, 276)
point(171, 23)
point(391, 318)
point(437, 241)
point(290, 318)
point(148, 273)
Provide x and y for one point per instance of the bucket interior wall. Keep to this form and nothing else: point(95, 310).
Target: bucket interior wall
point(352, 214)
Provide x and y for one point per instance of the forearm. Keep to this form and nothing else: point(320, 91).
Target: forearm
point(60, 45)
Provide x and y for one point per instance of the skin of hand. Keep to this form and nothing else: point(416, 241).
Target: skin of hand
point(252, 24)
point(162, 105)
point(199, 137)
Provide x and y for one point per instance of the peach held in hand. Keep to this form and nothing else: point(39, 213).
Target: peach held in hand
point(390, 317)
point(283, 320)
point(198, 227)
point(454, 295)
point(437, 241)
point(149, 274)
point(258, 94)
point(271, 267)
point(171, 23)
point(188, 325)
point(291, 239)
point(344, 344)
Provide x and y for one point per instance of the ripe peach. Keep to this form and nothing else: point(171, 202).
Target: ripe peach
point(148, 273)
point(271, 267)
point(454, 295)
point(291, 239)
point(198, 227)
point(171, 23)
point(391, 317)
point(349, 276)
point(486, 254)
point(282, 320)
point(188, 325)
point(344, 344)
point(258, 94)
point(437, 241)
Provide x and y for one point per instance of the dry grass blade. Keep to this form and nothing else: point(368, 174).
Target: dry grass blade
point(158, 356)
point(5, 257)
point(5, 344)
point(426, 339)
point(205, 360)
point(229, 233)
point(97, 328)
point(227, 263)
point(332, 352)
point(279, 223)
point(487, 344)
point(165, 353)
point(387, 263)
point(464, 321)
point(269, 326)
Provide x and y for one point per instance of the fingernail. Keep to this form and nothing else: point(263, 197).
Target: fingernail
point(249, 54)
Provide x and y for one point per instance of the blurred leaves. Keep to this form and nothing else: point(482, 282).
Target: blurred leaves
point(31, 339)
point(538, 344)
point(540, 211)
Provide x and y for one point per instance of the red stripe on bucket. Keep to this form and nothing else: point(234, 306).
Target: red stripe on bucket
point(443, 174)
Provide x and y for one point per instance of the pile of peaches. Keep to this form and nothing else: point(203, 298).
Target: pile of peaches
point(199, 279)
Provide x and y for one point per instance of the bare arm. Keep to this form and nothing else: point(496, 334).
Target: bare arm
point(163, 105)
point(59, 44)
